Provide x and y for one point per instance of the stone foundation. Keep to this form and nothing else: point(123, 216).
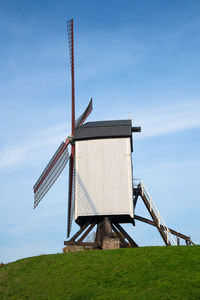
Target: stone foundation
point(75, 248)
point(111, 243)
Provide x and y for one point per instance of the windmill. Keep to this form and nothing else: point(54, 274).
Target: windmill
point(101, 192)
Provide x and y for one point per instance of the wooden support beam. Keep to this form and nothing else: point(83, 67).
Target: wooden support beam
point(176, 233)
point(79, 232)
point(122, 240)
point(97, 234)
point(86, 233)
point(100, 234)
point(126, 235)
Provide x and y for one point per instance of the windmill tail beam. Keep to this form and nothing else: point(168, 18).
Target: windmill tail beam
point(174, 232)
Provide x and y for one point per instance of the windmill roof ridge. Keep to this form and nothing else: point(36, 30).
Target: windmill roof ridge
point(108, 123)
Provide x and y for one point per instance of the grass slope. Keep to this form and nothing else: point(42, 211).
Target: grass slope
point(141, 273)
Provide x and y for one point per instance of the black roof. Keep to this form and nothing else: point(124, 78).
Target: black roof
point(108, 123)
point(104, 129)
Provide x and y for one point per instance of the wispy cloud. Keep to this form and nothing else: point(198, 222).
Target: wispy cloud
point(169, 119)
point(154, 123)
point(26, 151)
point(12, 156)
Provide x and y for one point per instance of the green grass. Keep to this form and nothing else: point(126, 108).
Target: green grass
point(140, 273)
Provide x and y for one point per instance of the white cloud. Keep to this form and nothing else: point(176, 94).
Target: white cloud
point(26, 151)
point(154, 123)
point(12, 156)
point(169, 119)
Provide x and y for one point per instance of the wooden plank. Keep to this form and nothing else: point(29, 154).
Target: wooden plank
point(67, 243)
point(88, 244)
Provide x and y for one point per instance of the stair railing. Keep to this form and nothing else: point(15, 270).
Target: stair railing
point(160, 219)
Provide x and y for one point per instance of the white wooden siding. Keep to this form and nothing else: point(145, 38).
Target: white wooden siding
point(103, 177)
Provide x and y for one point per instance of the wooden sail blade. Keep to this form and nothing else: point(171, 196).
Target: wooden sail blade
point(71, 192)
point(84, 116)
point(51, 172)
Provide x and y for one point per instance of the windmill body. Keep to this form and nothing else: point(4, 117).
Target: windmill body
point(103, 171)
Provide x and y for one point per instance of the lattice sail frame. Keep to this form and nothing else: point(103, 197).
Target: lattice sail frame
point(51, 173)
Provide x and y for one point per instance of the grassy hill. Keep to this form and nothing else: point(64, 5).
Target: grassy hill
point(141, 273)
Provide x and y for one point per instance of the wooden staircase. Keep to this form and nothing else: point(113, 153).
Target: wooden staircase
point(166, 233)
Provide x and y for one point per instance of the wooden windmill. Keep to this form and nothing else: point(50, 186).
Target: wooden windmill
point(101, 190)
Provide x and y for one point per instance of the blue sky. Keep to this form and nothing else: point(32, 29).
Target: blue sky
point(138, 57)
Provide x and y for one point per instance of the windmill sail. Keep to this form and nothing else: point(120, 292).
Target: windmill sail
point(84, 116)
point(51, 173)
point(61, 157)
